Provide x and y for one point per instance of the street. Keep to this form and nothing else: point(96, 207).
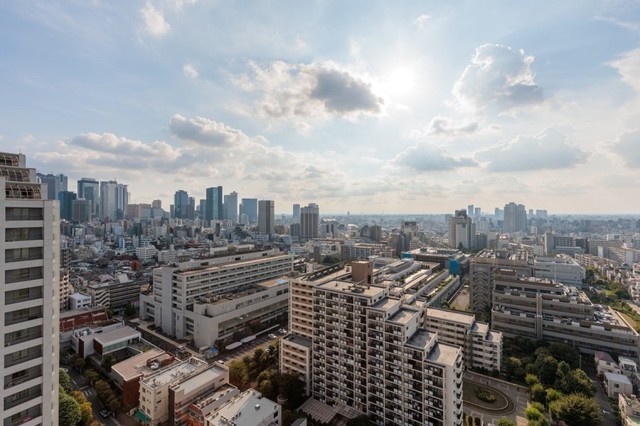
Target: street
point(81, 384)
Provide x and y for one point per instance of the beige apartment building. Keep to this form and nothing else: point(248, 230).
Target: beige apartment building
point(30, 302)
point(364, 351)
point(481, 347)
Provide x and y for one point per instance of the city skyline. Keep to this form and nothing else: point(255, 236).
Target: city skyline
point(400, 110)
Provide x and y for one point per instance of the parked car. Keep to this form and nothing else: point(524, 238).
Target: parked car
point(105, 413)
point(282, 331)
point(272, 336)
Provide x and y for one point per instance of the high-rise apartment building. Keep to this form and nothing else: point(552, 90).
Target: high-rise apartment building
point(515, 218)
point(55, 184)
point(213, 205)
point(249, 207)
point(309, 221)
point(29, 229)
point(266, 217)
point(66, 199)
point(366, 352)
point(89, 189)
point(462, 231)
point(231, 207)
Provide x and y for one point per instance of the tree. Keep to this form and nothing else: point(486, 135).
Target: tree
point(545, 367)
point(532, 413)
point(538, 393)
point(91, 375)
point(565, 352)
point(68, 410)
point(553, 395)
point(292, 388)
point(108, 362)
point(78, 363)
point(576, 410)
point(531, 379)
point(582, 383)
point(238, 373)
point(513, 367)
point(65, 380)
point(505, 421)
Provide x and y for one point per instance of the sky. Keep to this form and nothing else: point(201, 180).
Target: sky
point(360, 106)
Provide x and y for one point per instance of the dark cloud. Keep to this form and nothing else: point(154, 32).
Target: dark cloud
point(547, 150)
point(341, 92)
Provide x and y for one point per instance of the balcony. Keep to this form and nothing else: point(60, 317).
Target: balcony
point(22, 376)
point(22, 396)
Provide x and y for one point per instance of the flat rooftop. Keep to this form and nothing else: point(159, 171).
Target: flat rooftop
point(174, 373)
point(452, 316)
point(421, 339)
point(197, 270)
point(351, 288)
point(298, 340)
point(403, 316)
point(136, 365)
point(444, 354)
point(116, 335)
point(249, 409)
point(196, 381)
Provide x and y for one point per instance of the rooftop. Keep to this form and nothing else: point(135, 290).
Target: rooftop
point(136, 365)
point(615, 377)
point(174, 373)
point(444, 354)
point(351, 288)
point(117, 334)
point(403, 316)
point(421, 339)
point(452, 316)
point(196, 381)
point(247, 409)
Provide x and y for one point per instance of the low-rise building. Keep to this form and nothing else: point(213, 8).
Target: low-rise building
point(79, 301)
point(249, 408)
point(616, 384)
point(605, 363)
point(629, 408)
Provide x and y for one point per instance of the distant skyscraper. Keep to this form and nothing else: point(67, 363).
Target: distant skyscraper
point(181, 204)
point(309, 221)
point(156, 204)
point(30, 306)
point(191, 208)
point(515, 218)
point(249, 207)
point(55, 184)
point(231, 207)
point(202, 207)
point(213, 207)
point(66, 209)
point(296, 214)
point(462, 231)
point(89, 189)
point(113, 200)
point(266, 216)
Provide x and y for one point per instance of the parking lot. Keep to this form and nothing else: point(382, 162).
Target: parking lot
point(262, 342)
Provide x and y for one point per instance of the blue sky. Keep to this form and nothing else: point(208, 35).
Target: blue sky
point(361, 106)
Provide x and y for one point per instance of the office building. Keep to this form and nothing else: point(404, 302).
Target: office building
point(177, 288)
point(81, 211)
point(515, 218)
point(542, 309)
point(561, 268)
point(89, 189)
point(249, 207)
point(266, 217)
point(181, 204)
point(114, 199)
point(30, 305)
point(309, 221)
point(231, 207)
point(55, 184)
point(213, 205)
point(66, 199)
point(248, 408)
point(462, 231)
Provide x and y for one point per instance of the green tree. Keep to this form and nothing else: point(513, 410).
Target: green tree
point(582, 383)
point(78, 363)
point(91, 375)
point(531, 379)
point(553, 395)
point(505, 421)
point(238, 374)
point(532, 413)
point(576, 410)
point(292, 388)
point(513, 367)
point(108, 362)
point(65, 380)
point(257, 358)
point(538, 394)
point(565, 352)
point(545, 367)
point(68, 410)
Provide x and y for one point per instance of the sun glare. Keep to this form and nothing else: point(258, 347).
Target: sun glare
point(400, 81)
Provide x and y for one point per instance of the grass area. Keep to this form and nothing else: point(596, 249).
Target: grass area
point(630, 320)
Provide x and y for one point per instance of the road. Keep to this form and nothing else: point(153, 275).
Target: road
point(262, 342)
point(81, 384)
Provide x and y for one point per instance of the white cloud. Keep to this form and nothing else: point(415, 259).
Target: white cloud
point(205, 131)
point(629, 68)
point(309, 91)
point(547, 150)
point(424, 157)
point(421, 21)
point(154, 22)
point(627, 146)
point(190, 71)
point(498, 78)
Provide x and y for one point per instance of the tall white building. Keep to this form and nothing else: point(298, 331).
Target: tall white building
point(462, 231)
point(113, 200)
point(29, 231)
point(515, 218)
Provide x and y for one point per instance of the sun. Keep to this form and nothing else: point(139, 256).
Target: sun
point(400, 81)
